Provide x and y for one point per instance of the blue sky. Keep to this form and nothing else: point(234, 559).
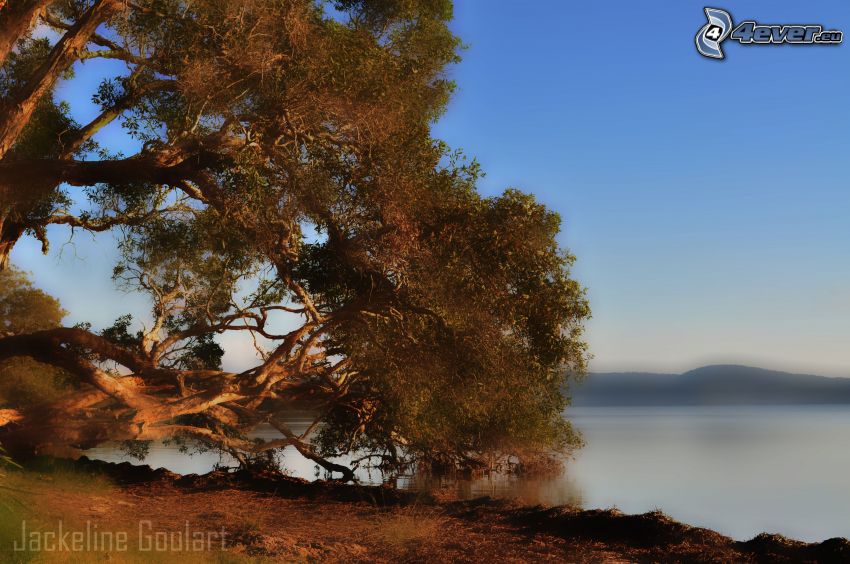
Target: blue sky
point(707, 201)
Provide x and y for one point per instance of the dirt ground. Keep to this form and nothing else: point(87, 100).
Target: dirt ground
point(266, 527)
point(230, 519)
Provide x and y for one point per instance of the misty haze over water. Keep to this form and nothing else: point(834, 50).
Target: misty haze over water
point(723, 384)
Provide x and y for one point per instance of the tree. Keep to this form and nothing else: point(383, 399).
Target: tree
point(23, 308)
point(24, 382)
point(286, 172)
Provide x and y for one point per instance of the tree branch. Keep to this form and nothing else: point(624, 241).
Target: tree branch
point(306, 450)
point(40, 344)
point(15, 20)
point(33, 179)
point(16, 112)
point(109, 114)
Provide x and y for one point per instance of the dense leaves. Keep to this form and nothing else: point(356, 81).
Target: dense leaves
point(288, 188)
point(24, 309)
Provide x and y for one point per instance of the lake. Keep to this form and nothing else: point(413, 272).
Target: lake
point(738, 470)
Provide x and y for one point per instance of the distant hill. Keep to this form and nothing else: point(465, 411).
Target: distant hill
point(709, 385)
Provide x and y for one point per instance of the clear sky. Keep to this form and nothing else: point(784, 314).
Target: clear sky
point(708, 202)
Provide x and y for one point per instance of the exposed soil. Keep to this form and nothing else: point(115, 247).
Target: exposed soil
point(267, 517)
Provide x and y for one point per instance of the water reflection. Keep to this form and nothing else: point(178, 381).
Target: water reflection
point(527, 491)
point(740, 470)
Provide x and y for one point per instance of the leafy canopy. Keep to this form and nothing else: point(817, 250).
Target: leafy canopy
point(288, 187)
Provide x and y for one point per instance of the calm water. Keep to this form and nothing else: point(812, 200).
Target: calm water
point(738, 470)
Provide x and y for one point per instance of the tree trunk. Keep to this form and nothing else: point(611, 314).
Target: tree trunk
point(16, 112)
point(8, 237)
point(16, 18)
point(19, 190)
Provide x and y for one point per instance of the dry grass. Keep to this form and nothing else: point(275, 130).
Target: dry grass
point(265, 526)
point(261, 527)
point(409, 527)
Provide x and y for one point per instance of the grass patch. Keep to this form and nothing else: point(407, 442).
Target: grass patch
point(26, 496)
point(47, 493)
point(408, 528)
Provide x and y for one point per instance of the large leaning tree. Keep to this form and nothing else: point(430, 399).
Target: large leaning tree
point(286, 186)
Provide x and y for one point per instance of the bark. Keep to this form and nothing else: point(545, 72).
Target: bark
point(9, 235)
point(17, 111)
point(49, 347)
point(307, 452)
point(18, 190)
point(24, 183)
point(30, 180)
point(16, 19)
point(42, 345)
point(71, 145)
point(45, 174)
point(156, 401)
point(107, 407)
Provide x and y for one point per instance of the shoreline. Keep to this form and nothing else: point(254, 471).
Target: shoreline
point(278, 518)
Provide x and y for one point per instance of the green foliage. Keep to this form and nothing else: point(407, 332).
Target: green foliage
point(475, 362)
point(119, 333)
point(135, 449)
point(471, 316)
point(25, 383)
point(424, 321)
point(24, 309)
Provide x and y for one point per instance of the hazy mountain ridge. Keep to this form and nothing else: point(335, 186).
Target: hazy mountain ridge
point(709, 385)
